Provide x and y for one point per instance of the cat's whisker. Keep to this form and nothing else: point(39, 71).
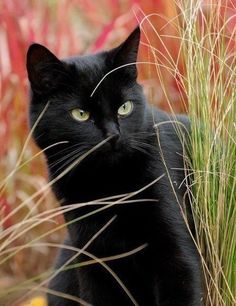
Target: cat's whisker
point(142, 133)
point(143, 138)
point(140, 149)
point(76, 149)
point(64, 157)
point(64, 150)
point(145, 145)
point(142, 141)
point(68, 162)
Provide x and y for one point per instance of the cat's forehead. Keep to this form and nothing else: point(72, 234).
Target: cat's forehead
point(89, 88)
point(89, 70)
point(94, 83)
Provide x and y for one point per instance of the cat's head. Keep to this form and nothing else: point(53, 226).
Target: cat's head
point(81, 99)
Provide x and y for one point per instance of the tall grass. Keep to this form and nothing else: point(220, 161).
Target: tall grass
point(208, 49)
point(211, 92)
point(207, 82)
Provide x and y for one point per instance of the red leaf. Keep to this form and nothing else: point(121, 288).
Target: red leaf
point(103, 36)
point(5, 210)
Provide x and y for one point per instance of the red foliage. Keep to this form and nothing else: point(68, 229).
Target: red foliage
point(5, 210)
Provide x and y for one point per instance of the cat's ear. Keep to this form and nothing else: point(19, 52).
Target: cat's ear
point(45, 70)
point(126, 53)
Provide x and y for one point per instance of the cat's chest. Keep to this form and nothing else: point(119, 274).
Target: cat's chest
point(103, 181)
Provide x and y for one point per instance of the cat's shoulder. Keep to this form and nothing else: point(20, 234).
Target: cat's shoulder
point(169, 122)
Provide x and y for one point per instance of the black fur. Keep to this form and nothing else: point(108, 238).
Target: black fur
point(166, 271)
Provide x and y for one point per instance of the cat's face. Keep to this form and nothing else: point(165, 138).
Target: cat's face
point(82, 108)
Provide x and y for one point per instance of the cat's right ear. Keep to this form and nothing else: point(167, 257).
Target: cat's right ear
point(125, 55)
point(43, 69)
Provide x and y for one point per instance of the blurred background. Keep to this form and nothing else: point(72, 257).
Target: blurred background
point(69, 28)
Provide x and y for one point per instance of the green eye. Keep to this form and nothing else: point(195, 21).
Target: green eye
point(125, 109)
point(80, 115)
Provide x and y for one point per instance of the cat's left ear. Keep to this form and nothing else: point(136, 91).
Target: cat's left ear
point(45, 71)
point(126, 54)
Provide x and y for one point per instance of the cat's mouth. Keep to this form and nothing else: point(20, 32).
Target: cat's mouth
point(112, 149)
point(113, 143)
point(112, 146)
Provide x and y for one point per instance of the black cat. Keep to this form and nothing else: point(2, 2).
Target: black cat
point(143, 144)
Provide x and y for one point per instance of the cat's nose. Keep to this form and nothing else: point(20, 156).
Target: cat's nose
point(112, 131)
point(114, 140)
point(113, 137)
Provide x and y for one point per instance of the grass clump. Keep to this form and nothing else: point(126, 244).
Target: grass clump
point(204, 69)
point(211, 93)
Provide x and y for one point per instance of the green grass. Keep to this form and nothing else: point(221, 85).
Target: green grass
point(211, 92)
point(207, 83)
